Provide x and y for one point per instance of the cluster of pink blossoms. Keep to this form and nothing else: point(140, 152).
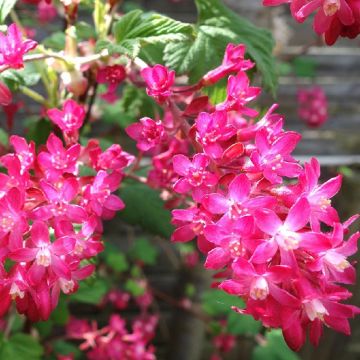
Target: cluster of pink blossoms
point(256, 212)
point(114, 341)
point(51, 215)
point(333, 18)
point(313, 106)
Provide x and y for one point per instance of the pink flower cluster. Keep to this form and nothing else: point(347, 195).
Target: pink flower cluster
point(13, 48)
point(114, 341)
point(333, 18)
point(51, 216)
point(257, 214)
point(313, 106)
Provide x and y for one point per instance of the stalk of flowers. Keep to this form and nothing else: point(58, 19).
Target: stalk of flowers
point(51, 215)
point(115, 341)
point(333, 18)
point(312, 106)
point(256, 212)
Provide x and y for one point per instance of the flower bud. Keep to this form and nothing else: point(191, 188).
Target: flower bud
point(5, 95)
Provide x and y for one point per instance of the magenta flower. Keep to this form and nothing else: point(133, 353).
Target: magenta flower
point(113, 75)
point(13, 221)
point(5, 95)
point(98, 195)
point(317, 195)
point(212, 130)
point(312, 106)
point(113, 158)
point(234, 61)
point(24, 152)
point(58, 160)
point(257, 284)
point(159, 81)
point(70, 118)
point(148, 133)
point(231, 241)
point(13, 48)
point(273, 159)
point(59, 202)
point(44, 253)
point(285, 235)
point(239, 93)
point(195, 177)
point(333, 17)
point(238, 201)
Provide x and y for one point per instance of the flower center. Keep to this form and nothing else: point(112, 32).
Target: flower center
point(315, 310)
point(43, 257)
point(331, 7)
point(259, 288)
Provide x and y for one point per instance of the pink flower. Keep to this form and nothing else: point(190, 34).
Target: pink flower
point(69, 119)
point(234, 61)
point(58, 160)
point(148, 133)
point(159, 81)
point(258, 284)
point(312, 106)
point(46, 11)
point(331, 18)
point(238, 94)
point(59, 202)
point(5, 95)
point(194, 175)
point(98, 195)
point(44, 253)
point(285, 235)
point(212, 131)
point(13, 48)
point(273, 159)
point(113, 75)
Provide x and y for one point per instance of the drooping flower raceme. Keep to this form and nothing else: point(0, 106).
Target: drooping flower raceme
point(333, 18)
point(312, 106)
point(51, 215)
point(256, 212)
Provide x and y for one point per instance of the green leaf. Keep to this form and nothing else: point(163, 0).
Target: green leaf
point(305, 66)
point(5, 7)
point(61, 314)
point(275, 348)
point(4, 137)
point(137, 29)
point(150, 214)
point(66, 348)
point(55, 41)
point(218, 302)
point(134, 288)
point(20, 347)
point(143, 250)
point(117, 261)
point(217, 26)
point(239, 324)
point(91, 293)
point(39, 131)
point(84, 31)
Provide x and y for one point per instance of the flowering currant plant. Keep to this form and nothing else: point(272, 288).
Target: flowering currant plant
point(140, 114)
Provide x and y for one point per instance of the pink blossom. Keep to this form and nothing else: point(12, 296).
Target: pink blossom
point(13, 47)
point(148, 133)
point(5, 95)
point(312, 106)
point(194, 175)
point(113, 75)
point(238, 94)
point(58, 160)
point(69, 119)
point(212, 131)
point(159, 81)
point(234, 61)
